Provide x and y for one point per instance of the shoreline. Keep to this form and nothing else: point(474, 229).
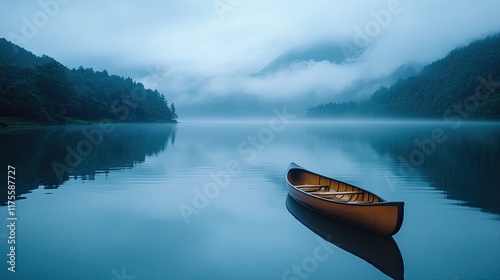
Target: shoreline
point(6, 122)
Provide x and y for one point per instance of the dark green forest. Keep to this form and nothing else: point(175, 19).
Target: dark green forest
point(464, 84)
point(41, 90)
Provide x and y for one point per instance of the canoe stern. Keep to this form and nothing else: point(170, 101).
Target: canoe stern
point(384, 218)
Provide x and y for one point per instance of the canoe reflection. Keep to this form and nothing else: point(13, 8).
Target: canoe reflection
point(380, 251)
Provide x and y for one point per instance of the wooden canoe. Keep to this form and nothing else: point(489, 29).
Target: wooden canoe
point(344, 201)
point(380, 251)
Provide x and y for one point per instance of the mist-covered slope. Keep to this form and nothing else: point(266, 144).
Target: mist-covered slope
point(324, 51)
point(463, 84)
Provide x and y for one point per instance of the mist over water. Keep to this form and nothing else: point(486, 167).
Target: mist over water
point(140, 196)
point(120, 209)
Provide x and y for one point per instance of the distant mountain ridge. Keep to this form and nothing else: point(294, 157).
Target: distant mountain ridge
point(465, 84)
point(323, 51)
point(363, 88)
point(40, 90)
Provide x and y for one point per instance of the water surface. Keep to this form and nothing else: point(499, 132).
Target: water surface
point(207, 200)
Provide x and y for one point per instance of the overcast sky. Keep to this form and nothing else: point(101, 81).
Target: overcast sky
point(191, 50)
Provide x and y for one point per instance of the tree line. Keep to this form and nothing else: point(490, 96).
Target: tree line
point(449, 83)
point(42, 90)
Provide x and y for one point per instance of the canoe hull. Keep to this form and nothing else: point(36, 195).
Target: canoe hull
point(380, 251)
point(384, 218)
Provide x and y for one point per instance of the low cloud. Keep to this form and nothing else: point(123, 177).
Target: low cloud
point(197, 55)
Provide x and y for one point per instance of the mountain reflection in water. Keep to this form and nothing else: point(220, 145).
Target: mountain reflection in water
point(39, 154)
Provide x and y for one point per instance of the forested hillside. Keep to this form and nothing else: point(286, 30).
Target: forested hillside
point(41, 90)
point(467, 79)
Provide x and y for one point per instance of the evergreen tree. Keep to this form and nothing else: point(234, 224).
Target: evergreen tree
point(440, 86)
point(42, 90)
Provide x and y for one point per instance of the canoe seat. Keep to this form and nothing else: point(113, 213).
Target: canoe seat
point(336, 193)
point(309, 188)
point(359, 202)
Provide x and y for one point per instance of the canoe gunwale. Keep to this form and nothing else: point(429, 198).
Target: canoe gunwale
point(297, 167)
point(383, 203)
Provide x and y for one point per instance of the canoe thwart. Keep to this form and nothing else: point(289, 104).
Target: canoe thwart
point(311, 186)
point(341, 200)
point(359, 202)
point(336, 193)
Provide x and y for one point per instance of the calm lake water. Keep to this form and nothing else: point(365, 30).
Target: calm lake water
point(207, 200)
